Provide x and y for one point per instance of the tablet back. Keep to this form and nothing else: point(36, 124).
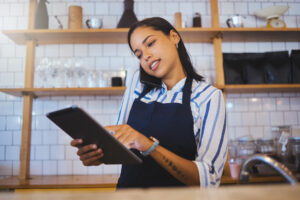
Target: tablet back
point(78, 124)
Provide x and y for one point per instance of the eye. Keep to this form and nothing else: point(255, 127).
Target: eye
point(151, 43)
point(139, 55)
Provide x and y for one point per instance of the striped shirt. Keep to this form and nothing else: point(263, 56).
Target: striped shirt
point(208, 110)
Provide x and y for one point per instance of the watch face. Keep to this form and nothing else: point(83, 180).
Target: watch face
point(276, 23)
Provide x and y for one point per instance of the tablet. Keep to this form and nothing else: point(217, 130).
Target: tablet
point(78, 124)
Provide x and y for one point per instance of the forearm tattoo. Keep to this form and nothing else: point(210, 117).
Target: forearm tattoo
point(174, 168)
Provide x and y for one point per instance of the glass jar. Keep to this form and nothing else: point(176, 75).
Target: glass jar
point(233, 149)
point(295, 149)
point(247, 147)
point(282, 135)
point(234, 160)
point(266, 146)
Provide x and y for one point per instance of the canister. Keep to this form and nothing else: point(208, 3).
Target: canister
point(295, 149)
point(75, 17)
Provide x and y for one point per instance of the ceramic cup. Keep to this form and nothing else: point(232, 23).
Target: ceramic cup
point(94, 23)
point(235, 21)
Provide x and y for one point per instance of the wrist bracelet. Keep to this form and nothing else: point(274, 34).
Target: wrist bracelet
point(154, 145)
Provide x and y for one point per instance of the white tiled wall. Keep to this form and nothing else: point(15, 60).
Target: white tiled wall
point(255, 115)
point(248, 114)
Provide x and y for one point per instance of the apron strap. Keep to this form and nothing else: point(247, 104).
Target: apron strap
point(187, 90)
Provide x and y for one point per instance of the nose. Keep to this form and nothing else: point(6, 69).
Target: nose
point(147, 56)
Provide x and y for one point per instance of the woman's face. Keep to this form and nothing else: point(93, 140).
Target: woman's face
point(156, 52)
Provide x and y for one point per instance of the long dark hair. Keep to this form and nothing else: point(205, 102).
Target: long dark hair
point(160, 24)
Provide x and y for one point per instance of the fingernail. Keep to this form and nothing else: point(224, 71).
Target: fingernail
point(112, 132)
point(94, 146)
point(99, 150)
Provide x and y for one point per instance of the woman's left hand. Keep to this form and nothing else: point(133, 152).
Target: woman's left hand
point(130, 137)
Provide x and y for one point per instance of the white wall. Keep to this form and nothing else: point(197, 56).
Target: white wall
point(248, 114)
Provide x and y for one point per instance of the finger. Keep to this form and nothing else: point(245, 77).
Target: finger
point(86, 148)
point(94, 160)
point(121, 129)
point(98, 160)
point(129, 141)
point(114, 128)
point(121, 136)
point(76, 142)
point(90, 154)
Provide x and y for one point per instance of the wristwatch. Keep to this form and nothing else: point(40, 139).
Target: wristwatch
point(154, 145)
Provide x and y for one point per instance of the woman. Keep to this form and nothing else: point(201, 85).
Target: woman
point(168, 114)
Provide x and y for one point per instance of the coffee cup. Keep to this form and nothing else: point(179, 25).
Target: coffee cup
point(94, 23)
point(235, 21)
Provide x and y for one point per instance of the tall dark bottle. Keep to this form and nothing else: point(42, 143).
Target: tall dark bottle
point(41, 16)
point(197, 20)
point(128, 17)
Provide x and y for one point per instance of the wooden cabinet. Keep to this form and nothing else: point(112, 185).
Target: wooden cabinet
point(215, 34)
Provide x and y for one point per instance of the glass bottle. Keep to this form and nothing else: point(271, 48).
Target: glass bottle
point(197, 20)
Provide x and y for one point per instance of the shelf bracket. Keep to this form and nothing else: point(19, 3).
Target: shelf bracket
point(219, 35)
point(26, 93)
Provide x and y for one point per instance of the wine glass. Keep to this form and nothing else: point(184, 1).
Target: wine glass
point(93, 78)
point(68, 72)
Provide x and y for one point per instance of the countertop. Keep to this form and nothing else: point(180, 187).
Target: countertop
point(98, 181)
point(256, 192)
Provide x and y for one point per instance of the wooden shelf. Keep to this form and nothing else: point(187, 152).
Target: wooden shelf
point(79, 36)
point(43, 92)
point(83, 36)
point(198, 34)
point(119, 35)
point(260, 34)
point(118, 91)
point(255, 88)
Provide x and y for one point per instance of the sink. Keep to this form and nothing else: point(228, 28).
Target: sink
point(260, 158)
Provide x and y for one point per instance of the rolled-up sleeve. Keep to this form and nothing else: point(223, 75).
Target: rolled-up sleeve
point(213, 141)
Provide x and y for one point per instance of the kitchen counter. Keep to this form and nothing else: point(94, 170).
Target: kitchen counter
point(97, 181)
point(273, 192)
point(60, 181)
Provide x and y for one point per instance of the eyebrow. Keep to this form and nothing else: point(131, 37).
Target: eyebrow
point(143, 42)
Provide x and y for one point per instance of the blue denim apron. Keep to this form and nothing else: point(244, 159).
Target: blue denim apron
point(172, 124)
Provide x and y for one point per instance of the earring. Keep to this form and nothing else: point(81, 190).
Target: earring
point(177, 45)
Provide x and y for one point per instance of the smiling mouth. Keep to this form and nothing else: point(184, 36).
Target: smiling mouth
point(154, 65)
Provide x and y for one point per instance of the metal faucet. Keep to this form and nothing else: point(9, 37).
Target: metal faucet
point(258, 158)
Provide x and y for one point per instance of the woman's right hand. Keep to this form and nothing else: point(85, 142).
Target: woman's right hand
point(90, 155)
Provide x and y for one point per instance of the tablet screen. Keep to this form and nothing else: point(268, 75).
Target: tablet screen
point(78, 124)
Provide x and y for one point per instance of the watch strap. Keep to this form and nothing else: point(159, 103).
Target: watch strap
point(154, 145)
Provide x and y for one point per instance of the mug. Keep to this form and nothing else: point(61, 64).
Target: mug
point(116, 81)
point(235, 21)
point(94, 23)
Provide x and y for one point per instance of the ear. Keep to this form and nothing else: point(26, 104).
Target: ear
point(174, 37)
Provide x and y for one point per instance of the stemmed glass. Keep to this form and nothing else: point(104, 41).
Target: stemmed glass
point(93, 78)
point(68, 66)
point(46, 72)
point(80, 73)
